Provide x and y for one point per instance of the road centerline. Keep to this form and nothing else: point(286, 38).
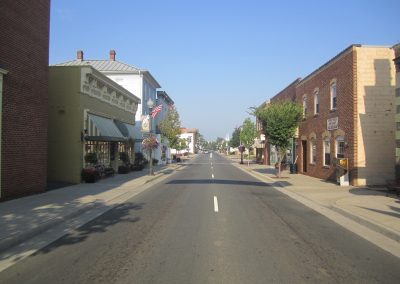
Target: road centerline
point(215, 204)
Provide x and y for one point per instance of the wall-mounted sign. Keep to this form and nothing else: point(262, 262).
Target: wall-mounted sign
point(332, 123)
point(145, 123)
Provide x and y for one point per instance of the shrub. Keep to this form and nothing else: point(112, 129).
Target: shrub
point(155, 161)
point(124, 157)
point(91, 158)
point(123, 169)
point(90, 175)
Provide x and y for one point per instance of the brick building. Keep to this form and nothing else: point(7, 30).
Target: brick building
point(24, 55)
point(348, 108)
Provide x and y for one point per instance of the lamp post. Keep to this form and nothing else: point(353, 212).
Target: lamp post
point(150, 105)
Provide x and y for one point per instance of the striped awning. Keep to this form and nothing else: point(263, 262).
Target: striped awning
point(103, 129)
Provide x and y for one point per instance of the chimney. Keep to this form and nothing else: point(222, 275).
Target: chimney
point(79, 55)
point(112, 55)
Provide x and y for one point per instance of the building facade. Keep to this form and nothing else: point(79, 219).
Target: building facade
point(137, 81)
point(24, 55)
point(397, 103)
point(88, 113)
point(348, 113)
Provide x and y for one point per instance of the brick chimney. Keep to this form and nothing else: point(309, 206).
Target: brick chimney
point(112, 55)
point(79, 55)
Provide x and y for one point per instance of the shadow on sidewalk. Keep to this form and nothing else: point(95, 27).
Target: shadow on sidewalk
point(120, 214)
point(374, 191)
point(393, 214)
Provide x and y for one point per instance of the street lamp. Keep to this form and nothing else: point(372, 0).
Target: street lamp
point(150, 105)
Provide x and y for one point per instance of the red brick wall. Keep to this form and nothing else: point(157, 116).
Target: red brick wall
point(342, 70)
point(287, 94)
point(24, 52)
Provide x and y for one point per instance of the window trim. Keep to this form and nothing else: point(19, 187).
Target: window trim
point(338, 139)
point(304, 106)
point(316, 102)
point(333, 84)
point(312, 161)
point(326, 139)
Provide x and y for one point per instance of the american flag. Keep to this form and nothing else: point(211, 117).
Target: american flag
point(156, 110)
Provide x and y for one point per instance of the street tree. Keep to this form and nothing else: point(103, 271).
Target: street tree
point(170, 127)
point(235, 139)
point(280, 121)
point(247, 135)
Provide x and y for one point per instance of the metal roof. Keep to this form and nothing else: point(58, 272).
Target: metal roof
point(102, 65)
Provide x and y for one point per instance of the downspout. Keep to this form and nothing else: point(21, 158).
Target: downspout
point(2, 72)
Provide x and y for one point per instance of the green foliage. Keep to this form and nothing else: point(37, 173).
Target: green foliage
point(280, 121)
point(201, 142)
point(91, 158)
point(248, 133)
point(170, 127)
point(124, 157)
point(235, 139)
point(181, 144)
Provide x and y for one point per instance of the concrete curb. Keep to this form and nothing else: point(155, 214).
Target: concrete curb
point(362, 221)
point(10, 242)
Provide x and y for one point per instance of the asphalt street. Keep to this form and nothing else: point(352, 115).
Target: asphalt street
point(208, 223)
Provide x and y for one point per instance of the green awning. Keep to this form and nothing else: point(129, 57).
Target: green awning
point(129, 131)
point(103, 129)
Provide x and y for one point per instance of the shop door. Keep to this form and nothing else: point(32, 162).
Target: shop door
point(304, 146)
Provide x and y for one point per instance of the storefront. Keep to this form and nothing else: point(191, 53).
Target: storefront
point(98, 110)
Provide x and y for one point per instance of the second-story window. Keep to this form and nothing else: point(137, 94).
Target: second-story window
point(304, 106)
point(316, 104)
point(333, 96)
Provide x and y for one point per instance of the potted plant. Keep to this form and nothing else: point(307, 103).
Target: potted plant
point(91, 158)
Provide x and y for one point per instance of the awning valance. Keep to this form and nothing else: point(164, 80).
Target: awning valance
point(103, 129)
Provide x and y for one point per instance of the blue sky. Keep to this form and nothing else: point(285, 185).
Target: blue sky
point(218, 58)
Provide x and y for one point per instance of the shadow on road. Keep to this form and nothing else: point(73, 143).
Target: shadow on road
point(99, 225)
point(218, 181)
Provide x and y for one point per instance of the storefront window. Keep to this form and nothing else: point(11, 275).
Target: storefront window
point(102, 149)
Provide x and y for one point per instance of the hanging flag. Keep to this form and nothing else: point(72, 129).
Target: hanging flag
point(156, 110)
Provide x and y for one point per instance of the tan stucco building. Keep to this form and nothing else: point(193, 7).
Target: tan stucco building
point(397, 103)
point(88, 112)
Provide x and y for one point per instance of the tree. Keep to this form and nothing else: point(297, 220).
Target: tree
point(181, 144)
point(170, 127)
point(201, 142)
point(280, 121)
point(235, 140)
point(247, 135)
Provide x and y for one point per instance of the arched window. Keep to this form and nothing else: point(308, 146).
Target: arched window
point(333, 95)
point(327, 151)
point(316, 104)
point(313, 152)
point(339, 147)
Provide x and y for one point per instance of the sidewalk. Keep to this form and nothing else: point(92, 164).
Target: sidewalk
point(24, 218)
point(368, 207)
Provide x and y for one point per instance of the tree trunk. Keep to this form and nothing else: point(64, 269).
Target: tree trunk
point(279, 163)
